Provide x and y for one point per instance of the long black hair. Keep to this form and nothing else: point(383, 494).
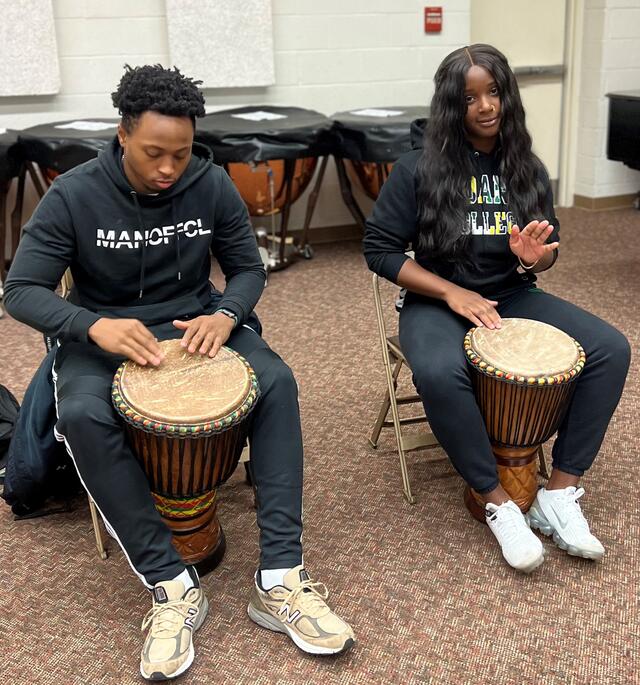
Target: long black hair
point(154, 88)
point(445, 166)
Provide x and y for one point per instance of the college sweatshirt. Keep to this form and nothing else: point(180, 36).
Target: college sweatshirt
point(131, 255)
point(392, 228)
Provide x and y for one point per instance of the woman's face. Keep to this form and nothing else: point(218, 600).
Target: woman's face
point(482, 120)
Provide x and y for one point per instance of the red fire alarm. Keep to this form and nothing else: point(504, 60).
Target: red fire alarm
point(432, 19)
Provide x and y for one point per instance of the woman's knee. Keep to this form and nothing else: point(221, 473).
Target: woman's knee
point(437, 378)
point(615, 350)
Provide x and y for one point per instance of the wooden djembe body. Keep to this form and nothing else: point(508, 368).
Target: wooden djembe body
point(186, 421)
point(523, 376)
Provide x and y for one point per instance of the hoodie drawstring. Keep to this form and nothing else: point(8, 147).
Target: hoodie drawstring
point(143, 260)
point(175, 223)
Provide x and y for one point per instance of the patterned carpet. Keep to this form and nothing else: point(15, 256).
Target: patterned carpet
point(424, 586)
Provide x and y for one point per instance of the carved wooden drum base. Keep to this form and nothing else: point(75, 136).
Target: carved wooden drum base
point(197, 534)
point(517, 471)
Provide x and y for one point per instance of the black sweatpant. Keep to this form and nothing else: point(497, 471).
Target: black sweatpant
point(431, 337)
point(96, 440)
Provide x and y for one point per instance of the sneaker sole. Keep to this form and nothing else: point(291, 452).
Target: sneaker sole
point(531, 567)
point(157, 675)
point(270, 623)
point(547, 529)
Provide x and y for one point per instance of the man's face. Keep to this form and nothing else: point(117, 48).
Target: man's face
point(157, 150)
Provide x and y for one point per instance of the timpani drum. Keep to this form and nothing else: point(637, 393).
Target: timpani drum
point(367, 142)
point(186, 422)
point(271, 154)
point(523, 376)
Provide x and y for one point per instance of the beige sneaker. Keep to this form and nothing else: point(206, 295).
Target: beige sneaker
point(168, 649)
point(299, 610)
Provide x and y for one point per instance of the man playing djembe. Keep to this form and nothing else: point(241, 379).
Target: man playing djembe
point(137, 227)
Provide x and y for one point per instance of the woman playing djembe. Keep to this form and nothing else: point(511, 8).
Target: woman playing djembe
point(476, 205)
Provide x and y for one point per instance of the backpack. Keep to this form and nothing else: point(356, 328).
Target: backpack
point(9, 409)
point(38, 466)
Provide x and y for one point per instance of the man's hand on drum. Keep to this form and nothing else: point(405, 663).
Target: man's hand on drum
point(530, 243)
point(205, 334)
point(480, 311)
point(128, 338)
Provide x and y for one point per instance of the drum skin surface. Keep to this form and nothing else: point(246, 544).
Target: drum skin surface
point(523, 377)
point(186, 422)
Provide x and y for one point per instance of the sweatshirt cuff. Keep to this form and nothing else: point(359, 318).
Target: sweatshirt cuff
point(81, 324)
point(392, 264)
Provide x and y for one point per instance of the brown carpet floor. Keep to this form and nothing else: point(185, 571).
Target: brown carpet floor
point(424, 586)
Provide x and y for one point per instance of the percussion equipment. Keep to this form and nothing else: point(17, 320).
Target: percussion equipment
point(271, 154)
point(523, 377)
point(10, 164)
point(366, 144)
point(186, 422)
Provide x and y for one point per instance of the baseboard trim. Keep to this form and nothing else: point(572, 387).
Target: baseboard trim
point(601, 203)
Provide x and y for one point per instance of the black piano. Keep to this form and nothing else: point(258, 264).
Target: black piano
point(624, 129)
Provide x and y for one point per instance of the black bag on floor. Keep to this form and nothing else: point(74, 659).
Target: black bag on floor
point(38, 466)
point(9, 409)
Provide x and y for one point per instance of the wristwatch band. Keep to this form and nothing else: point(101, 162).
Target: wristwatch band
point(229, 313)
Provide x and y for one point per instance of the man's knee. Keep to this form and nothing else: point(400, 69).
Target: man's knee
point(78, 412)
point(276, 376)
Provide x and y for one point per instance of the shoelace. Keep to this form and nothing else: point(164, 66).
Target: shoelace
point(170, 617)
point(569, 504)
point(511, 521)
point(314, 599)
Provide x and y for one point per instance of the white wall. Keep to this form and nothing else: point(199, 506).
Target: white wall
point(330, 55)
point(610, 62)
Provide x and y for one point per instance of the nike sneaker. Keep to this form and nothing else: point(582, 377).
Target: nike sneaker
point(558, 513)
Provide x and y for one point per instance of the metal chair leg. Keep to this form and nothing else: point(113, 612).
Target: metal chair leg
point(382, 417)
point(97, 530)
point(544, 469)
point(384, 409)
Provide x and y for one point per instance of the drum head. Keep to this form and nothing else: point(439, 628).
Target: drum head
point(523, 347)
point(186, 389)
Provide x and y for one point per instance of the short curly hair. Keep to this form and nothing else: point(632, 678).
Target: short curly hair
point(154, 88)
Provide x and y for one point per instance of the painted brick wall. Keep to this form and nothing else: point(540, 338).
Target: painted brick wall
point(611, 62)
point(330, 56)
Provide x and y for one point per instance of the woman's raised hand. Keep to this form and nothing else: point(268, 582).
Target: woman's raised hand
point(480, 311)
point(530, 243)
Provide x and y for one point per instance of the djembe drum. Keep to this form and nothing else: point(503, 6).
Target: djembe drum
point(186, 421)
point(523, 377)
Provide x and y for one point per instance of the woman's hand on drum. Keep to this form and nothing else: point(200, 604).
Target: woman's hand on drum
point(477, 309)
point(530, 243)
point(206, 334)
point(128, 338)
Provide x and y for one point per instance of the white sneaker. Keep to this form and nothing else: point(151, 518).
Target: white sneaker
point(520, 547)
point(557, 513)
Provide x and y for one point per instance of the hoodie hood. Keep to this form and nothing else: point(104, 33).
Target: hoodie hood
point(417, 133)
point(110, 159)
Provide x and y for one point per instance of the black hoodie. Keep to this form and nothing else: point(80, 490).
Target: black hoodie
point(392, 227)
point(133, 256)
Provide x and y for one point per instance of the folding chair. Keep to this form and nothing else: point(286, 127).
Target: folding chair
point(393, 360)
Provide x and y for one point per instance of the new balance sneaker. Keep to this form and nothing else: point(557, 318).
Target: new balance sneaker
point(557, 513)
point(175, 615)
point(298, 609)
point(520, 547)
